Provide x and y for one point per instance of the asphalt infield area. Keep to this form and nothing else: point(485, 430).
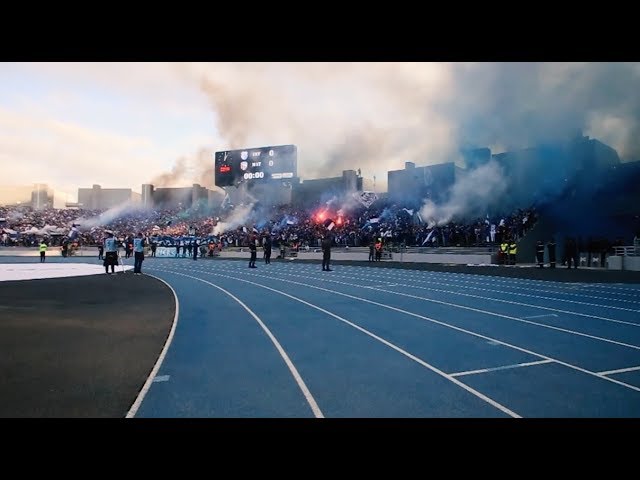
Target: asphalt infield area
point(79, 347)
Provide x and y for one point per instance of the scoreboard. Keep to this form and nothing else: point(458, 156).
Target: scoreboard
point(252, 165)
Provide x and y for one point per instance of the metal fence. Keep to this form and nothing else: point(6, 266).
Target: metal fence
point(627, 251)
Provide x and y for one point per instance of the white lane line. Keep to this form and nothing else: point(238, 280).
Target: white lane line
point(294, 371)
point(542, 316)
point(485, 312)
point(528, 285)
point(465, 283)
point(620, 370)
point(154, 371)
point(540, 307)
point(569, 365)
point(484, 280)
point(560, 286)
point(161, 378)
point(376, 337)
point(505, 367)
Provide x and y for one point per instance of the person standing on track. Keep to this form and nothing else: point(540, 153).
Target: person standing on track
point(326, 252)
point(571, 251)
point(43, 251)
point(266, 244)
point(138, 254)
point(551, 248)
point(513, 250)
point(196, 247)
point(378, 247)
point(254, 251)
point(111, 253)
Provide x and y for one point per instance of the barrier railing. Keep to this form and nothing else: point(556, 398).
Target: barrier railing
point(627, 251)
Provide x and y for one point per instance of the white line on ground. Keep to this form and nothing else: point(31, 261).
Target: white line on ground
point(373, 335)
point(620, 370)
point(294, 371)
point(542, 316)
point(486, 312)
point(161, 378)
point(505, 367)
point(566, 364)
point(606, 319)
point(145, 388)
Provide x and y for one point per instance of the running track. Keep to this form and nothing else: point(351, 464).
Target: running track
point(288, 340)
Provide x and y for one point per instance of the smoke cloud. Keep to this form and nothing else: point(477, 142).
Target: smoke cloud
point(107, 217)
point(472, 196)
point(376, 116)
point(239, 216)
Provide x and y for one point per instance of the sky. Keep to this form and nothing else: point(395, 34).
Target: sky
point(120, 125)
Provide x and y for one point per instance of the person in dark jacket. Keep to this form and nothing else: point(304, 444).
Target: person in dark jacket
point(326, 252)
point(254, 251)
point(267, 249)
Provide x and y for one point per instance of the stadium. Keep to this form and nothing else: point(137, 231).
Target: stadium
point(498, 284)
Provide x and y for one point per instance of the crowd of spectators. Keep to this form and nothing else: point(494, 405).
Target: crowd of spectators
point(354, 225)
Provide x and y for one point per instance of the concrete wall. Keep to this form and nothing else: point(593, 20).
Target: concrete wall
point(617, 262)
point(362, 256)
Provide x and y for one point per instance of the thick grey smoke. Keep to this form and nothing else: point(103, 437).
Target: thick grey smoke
point(471, 196)
point(239, 217)
point(108, 216)
point(175, 177)
point(518, 105)
point(377, 116)
point(189, 169)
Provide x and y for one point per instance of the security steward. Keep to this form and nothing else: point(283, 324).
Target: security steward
point(513, 250)
point(111, 253)
point(43, 251)
point(504, 252)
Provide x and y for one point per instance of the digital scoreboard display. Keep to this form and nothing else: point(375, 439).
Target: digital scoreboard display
point(263, 164)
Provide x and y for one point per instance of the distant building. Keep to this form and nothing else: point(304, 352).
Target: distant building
point(42, 196)
point(414, 184)
point(98, 198)
point(474, 158)
point(544, 172)
point(273, 193)
point(312, 192)
point(178, 197)
point(147, 195)
point(365, 184)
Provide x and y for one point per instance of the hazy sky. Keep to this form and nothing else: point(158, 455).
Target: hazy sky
point(123, 124)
